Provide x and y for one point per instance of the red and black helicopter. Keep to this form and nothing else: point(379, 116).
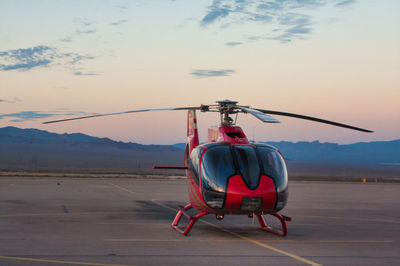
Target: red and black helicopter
point(228, 174)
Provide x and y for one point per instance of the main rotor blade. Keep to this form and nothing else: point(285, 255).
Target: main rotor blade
point(120, 113)
point(315, 119)
point(263, 117)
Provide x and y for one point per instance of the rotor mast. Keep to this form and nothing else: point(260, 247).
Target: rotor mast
point(226, 108)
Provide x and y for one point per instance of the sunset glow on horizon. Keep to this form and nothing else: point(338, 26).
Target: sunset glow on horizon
point(338, 60)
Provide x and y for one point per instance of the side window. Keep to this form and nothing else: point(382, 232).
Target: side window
point(194, 164)
point(274, 167)
point(216, 168)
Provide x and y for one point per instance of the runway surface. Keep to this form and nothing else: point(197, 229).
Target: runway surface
point(117, 221)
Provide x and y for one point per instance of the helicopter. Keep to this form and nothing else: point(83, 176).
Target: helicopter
point(229, 174)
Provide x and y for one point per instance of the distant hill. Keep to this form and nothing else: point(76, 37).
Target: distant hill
point(377, 152)
point(38, 150)
point(13, 135)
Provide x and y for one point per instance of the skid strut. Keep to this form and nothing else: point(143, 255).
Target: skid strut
point(282, 219)
point(192, 220)
point(182, 211)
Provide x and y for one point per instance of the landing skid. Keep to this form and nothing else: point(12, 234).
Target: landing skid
point(192, 220)
point(182, 211)
point(282, 219)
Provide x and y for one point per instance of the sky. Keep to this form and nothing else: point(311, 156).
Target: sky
point(338, 60)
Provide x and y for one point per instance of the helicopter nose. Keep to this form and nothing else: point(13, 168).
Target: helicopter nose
point(240, 197)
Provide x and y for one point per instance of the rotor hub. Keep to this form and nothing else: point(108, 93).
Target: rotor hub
point(226, 108)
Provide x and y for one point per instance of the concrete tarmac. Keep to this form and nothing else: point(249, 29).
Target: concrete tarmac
point(118, 221)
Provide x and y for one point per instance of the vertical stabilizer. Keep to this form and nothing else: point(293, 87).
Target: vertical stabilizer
point(192, 131)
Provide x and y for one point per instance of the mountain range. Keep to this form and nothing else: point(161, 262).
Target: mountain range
point(38, 150)
point(376, 152)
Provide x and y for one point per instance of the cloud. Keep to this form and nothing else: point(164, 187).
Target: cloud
point(289, 18)
point(204, 73)
point(119, 22)
point(14, 100)
point(345, 3)
point(215, 12)
point(44, 56)
point(26, 115)
point(66, 39)
point(122, 7)
point(232, 44)
point(82, 32)
point(76, 58)
point(85, 26)
point(79, 73)
point(33, 115)
point(85, 22)
point(25, 59)
point(298, 25)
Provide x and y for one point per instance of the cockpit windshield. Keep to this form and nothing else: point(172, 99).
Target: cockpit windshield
point(248, 164)
point(221, 161)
